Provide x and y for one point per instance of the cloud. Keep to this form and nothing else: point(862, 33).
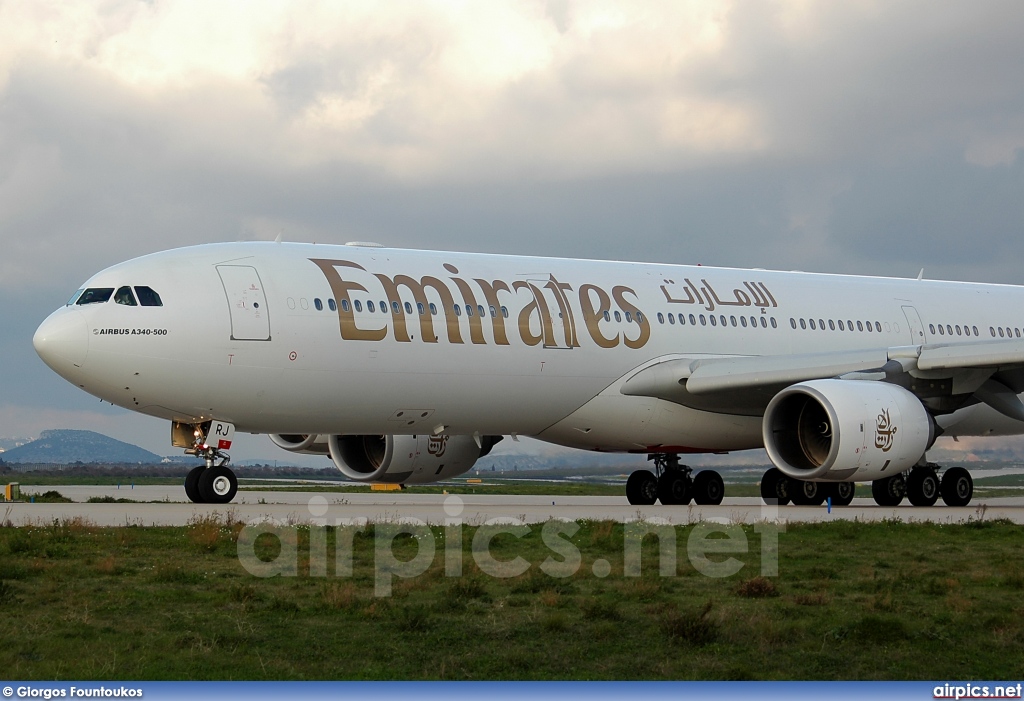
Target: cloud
point(865, 137)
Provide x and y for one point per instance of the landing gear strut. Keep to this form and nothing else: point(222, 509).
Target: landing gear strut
point(673, 484)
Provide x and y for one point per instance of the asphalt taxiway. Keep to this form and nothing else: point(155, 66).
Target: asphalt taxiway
point(166, 506)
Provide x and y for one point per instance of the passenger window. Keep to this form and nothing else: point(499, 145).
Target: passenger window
point(469, 310)
point(358, 305)
point(344, 305)
point(713, 321)
point(433, 309)
point(860, 326)
point(408, 308)
point(792, 322)
point(618, 317)
point(1000, 332)
point(703, 321)
point(975, 329)
point(607, 316)
point(949, 329)
point(504, 312)
point(831, 325)
point(370, 307)
point(732, 320)
point(331, 305)
point(743, 321)
point(490, 308)
point(941, 330)
point(671, 319)
point(722, 319)
point(682, 320)
point(693, 321)
point(931, 328)
point(774, 324)
point(396, 308)
point(383, 307)
point(458, 310)
point(124, 296)
point(629, 317)
point(640, 317)
point(320, 305)
point(420, 308)
point(148, 296)
point(764, 325)
point(803, 324)
point(480, 311)
point(811, 322)
point(95, 295)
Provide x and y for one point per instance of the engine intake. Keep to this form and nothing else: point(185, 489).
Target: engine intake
point(843, 430)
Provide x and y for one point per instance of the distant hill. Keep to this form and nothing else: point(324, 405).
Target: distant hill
point(68, 446)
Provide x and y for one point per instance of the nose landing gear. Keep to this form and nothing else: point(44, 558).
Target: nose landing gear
point(212, 483)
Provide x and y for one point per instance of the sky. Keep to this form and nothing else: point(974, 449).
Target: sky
point(856, 137)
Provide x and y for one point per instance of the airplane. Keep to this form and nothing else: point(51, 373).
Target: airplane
point(406, 366)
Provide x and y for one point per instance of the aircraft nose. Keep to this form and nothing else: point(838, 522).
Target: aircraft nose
point(62, 340)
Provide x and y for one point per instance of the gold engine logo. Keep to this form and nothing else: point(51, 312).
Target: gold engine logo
point(885, 431)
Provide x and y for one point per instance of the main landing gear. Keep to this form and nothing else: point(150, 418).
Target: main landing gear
point(673, 484)
point(210, 483)
point(920, 485)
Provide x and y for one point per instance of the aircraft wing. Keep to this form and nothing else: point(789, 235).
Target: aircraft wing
point(990, 370)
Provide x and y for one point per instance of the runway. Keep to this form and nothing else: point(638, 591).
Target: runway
point(166, 506)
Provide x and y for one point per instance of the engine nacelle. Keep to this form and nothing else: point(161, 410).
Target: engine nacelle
point(305, 443)
point(839, 430)
point(406, 459)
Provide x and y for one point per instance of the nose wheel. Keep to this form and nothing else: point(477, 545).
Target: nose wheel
point(210, 483)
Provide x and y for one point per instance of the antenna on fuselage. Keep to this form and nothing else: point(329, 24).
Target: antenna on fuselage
point(279, 237)
point(920, 275)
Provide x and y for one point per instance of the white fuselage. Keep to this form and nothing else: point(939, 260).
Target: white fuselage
point(292, 338)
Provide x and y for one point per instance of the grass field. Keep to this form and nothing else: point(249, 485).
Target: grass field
point(851, 601)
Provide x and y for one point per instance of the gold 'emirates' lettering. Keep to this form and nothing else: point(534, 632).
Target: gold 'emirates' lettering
point(341, 288)
point(546, 317)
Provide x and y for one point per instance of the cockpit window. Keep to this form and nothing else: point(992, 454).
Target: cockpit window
point(124, 296)
point(74, 297)
point(95, 295)
point(148, 297)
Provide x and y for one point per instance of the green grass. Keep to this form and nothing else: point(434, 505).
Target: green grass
point(852, 600)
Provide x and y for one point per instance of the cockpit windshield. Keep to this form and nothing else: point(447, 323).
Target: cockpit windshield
point(148, 296)
point(95, 295)
point(124, 296)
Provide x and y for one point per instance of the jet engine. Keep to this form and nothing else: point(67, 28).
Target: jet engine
point(407, 459)
point(305, 443)
point(843, 430)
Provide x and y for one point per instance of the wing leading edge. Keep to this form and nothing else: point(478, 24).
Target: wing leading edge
point(945, 377)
